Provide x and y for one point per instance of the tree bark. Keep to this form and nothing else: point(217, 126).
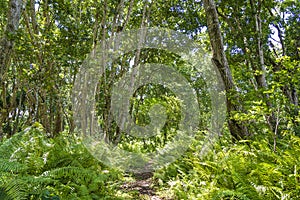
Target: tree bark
point(261, 77)
point(237, 130)
point(7, 42)
point(6, 47)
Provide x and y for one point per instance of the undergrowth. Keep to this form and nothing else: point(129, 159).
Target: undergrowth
point(247, 170)
point(33, 166)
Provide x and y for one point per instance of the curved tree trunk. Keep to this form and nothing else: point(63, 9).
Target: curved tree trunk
point(237, 130)
point(6, 46)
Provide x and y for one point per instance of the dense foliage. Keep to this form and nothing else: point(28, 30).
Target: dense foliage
point(36, 167)
point(255, 47)
point(249, 169)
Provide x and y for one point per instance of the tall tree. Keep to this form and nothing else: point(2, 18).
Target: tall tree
point(6, 47)
point(237, 129)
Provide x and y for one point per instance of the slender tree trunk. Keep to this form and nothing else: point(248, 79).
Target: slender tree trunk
point(237, 130)
point(6, 47)
point(261, 77)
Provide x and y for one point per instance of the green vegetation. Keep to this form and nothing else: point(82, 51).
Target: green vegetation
point(244, 170)
point(255, 50)
point(36, 167)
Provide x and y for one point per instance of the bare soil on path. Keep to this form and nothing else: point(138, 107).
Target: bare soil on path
point(143, 184)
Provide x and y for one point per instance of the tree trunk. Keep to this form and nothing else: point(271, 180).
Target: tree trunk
point(6, 47)
point(261, 77)
point(237, 130)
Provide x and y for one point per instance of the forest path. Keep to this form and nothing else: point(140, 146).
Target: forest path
point(143, 184)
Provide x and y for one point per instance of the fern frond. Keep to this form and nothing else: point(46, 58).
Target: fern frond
point(10, 145)
point(12, 166)
point(229, 194)
point(78, 175)
point(14, 189)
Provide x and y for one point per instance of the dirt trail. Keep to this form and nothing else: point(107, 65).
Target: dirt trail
point(142, 184)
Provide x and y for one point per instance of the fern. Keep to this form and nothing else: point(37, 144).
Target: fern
point(229, 195)
point(33, 166)
point(12, 166)
point(245, 170)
